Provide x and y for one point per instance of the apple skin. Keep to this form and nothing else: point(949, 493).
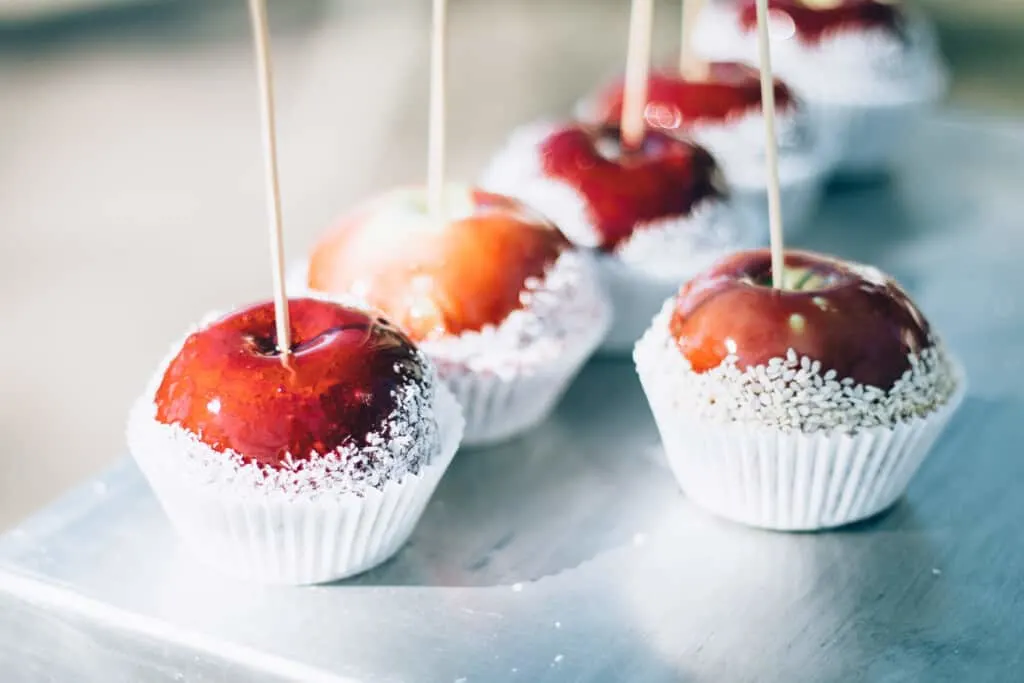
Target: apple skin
point(813, 21)
point(228, 386)
point(625, 189)
point(435, 280)
point(858, 323)
point(678, 102)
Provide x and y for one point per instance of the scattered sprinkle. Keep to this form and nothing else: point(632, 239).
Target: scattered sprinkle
point(558, 624)
point(890, 62)
point(936, 571)
point(679, 246)
point(560, 313)
point(408, 441)
point(791, 393)
point(669, 246)
point(558, 659)
point(517, 588)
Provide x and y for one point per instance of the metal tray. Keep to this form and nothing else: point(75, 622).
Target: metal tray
point(570, 555)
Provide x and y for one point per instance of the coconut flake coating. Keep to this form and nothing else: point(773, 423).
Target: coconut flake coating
point(405, 440)
point(435, 278)
point(723, 114)
point(852, 62)
point(559, 311)
point(665, 243)
point(794, 393)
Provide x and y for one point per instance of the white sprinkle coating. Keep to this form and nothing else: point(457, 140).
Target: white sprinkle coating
point(874, 63)
point(675, 247)
point(847, 65)
point(560, 313)
point(665, 247)
point(407, 441)
point(794, 393)
point(738, 145)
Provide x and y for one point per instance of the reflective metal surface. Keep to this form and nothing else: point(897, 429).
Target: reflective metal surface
point(570, 556)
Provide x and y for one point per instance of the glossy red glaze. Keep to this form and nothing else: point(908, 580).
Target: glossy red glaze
point(664, 177)
point(229, 387)
point(435, 281)
point(859, 328)
point(677, 103)
point(812, 23)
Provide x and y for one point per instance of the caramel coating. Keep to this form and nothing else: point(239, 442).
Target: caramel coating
point(229, 388)
point(439, 280)
point(861, 326)
point(678, 102)
point(623, 190)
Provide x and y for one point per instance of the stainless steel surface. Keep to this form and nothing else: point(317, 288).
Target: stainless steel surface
point(570, 556)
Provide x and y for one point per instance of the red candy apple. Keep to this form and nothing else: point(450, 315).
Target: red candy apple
point(849, 318)
point(678, 102)
point(229, 387)
point(814, 19)
point(437, 279)
point(625, 188)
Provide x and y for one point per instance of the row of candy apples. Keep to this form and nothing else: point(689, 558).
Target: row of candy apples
point(799, 399)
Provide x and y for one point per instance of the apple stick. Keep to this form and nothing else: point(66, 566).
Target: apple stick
point(436, 140)
point(638, 60)
point(771, 144)
point(688, 62)
point(261, 36)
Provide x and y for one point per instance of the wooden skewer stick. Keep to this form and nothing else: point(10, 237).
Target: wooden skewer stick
point(771, 145)
point(261, 35)
point(689, 65)
point(638, 61)
point(436, 140)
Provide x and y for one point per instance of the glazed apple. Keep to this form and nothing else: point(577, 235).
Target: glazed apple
point(229, 387)
point(675, 102)
point(431, 278)
point(627, 188)
point(814, 19)
point(851, 318)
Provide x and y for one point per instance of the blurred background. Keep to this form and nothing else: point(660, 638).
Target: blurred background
point(131, 191)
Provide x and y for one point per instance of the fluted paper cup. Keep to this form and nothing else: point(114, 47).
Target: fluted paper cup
point(269, 537)
point(500, 406)
point(790, 481)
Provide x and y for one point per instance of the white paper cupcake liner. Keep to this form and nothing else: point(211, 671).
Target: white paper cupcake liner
point(498, 409)
point(499, 406)
point(268, 538)
point(509, 378)
point(768, 478)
